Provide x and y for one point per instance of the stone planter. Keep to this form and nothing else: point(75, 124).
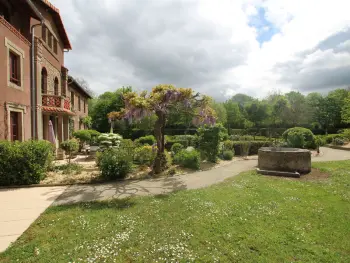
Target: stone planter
point(290, 160)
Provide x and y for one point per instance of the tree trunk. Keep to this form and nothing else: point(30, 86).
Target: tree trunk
point(160, 161)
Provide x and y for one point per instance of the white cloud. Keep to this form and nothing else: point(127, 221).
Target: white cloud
point(206, 45)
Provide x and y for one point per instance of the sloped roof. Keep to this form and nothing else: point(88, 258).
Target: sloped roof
point(71, 81)
point(57, 110)
point(59, 23)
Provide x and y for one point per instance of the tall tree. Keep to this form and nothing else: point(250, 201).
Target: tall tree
point(297, 108)
point(257, 112)
point(235, 118)
point(104, 104)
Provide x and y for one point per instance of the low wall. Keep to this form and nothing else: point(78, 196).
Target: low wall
point(284, 159)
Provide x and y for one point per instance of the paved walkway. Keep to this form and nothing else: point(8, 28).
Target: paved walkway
point(20, 207)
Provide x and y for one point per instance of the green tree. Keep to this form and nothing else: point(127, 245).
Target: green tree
point(257, 112)
point(345, 112)
point(297, 108)
point(220, 111)
point(235, 118)
point(104, 104)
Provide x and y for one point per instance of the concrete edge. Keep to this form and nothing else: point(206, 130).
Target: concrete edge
point(278, 173)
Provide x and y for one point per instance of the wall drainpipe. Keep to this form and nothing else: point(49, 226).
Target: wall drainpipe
point(33, 86)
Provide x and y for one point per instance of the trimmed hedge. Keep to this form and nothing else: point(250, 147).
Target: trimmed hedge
point(254, 146)
point(23, 163)
point(150, 140)
point(188, 159)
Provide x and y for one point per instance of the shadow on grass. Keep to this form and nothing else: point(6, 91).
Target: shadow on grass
point(117, 204)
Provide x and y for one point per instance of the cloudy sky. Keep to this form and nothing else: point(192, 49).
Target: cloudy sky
point(219, 48)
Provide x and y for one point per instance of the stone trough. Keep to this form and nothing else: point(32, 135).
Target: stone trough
point(289, 162)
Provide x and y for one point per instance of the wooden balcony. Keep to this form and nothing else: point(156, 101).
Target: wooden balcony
point(56, 104)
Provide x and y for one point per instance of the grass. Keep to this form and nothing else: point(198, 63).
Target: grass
point(72, 168)
point(249, 218)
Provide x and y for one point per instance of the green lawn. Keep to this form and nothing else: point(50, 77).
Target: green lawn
point(249, 218)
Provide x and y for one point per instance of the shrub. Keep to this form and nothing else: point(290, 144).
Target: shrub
point(228, 145)
point(331, 137)
point(23, 163)
point(227, 155)
point(107, 140)
point(83, 136)
point(115, 163)
point(320, 140)
point(188, 159)
point(299, 137)
point(346, 133)
point(70, 147)
point(176, 147)
point(94, 136)
point(338, 141)
point(145, 154)
point(150, 140)
point(209, 141)
point(186, 140)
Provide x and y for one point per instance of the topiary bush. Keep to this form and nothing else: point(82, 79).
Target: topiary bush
point(70, 147)
point(227, 155)
point(150, 140)
point(94, 136)
point(188, 159)
point(176, 148)
point(299, 137)
point(23, 163)
point(115, 163)
point(107, 140)
point(84, 136)
point(145, 155)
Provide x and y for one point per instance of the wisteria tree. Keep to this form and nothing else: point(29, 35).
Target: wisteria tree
point(160, 101)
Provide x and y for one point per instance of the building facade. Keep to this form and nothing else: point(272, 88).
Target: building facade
point(36, 88)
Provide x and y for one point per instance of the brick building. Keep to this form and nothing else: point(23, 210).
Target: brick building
point(34, 84)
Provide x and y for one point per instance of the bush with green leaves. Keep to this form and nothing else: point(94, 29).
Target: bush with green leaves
point(188, 159)
point(338, 141)
point(83, 136)
point(228, 145)
point(70, 147)
point(107, 140)
point(331, 137)
point(227, 155)
point(145, 155)
point(176, 148)
point(299, 137)
point(150, 140)
point(209, 141)
point(23, 163)
point(115, 163)
point(94, 136)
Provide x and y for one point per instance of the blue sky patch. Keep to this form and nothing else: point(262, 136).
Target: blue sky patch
point(265, 29)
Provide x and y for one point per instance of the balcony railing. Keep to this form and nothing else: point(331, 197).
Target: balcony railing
point(56, 101)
